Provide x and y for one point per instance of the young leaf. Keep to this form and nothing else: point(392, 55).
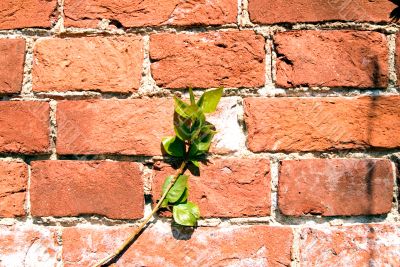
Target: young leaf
point(164, 204)
point(196, 127)
point(196, 163)
point(202, 145)
point(180, 107)
point(177, 189)
point(174, 146)
point(186, 214)
point(208, 102)
point(182, 131)
point(192, 99)
point(194, 209)
point(192, 111)
point(183, 198)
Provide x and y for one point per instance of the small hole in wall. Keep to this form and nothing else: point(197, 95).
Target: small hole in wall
point(116, 23)
point(222, 45)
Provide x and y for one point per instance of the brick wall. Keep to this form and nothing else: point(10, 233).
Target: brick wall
point(302, 171)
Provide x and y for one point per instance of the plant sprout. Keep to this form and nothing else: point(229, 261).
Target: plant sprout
point(191, 143)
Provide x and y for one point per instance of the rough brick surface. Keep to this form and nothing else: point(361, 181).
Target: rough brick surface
point(316, 124)
point(28, 246)
point(324, 186)
point(358, 245)
point(88, 13)
point(281, 11)
point(72, 188)
point(13, 184)
point(27, 13)
point(107, 64)
point(229, 137)
point(397, 58)
point(24, 127)
point(230, 59)
point(228, 246)
point(132, 127)
point(332, 58)
point(12, 57)
point(242, 185)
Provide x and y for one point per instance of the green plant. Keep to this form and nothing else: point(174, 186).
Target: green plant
point(189, 146)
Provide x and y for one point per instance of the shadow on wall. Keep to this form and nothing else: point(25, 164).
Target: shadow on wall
point(395, 14)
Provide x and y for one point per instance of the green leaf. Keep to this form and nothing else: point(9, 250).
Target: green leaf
point(202, 145)
point(182, 131)
point(196, 163)
point(186, 214)
point(185, 110)
point(208, 102)
point(180, 107)
point(166, 183)
point(192, 99)
point(194, 209)
point(197, 125)
point(174, 146)
point(183, 198)
point(177, 189)
point(164, 204)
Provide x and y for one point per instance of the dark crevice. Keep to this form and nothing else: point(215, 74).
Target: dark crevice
point(395, 14)
point(284, 58)
point(116, 23)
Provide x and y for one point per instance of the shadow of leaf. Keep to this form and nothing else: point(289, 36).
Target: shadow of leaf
point(395, 14)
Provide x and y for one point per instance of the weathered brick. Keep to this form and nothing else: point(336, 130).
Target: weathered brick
point(357, 245)
point(88, 13)
point(227, 181)
point(28, 246)
point(212, 59)
point(131, 127)
point(324, 186)
point(73, 188)
point(13, 184)
point(107, 64)
point(24, 127)
point(228, 246)
point(229, 137)
point(27, 13)
point(397, 57)
point(332, 58)
point(317, 124)
point(281, 11)
point(12, 53)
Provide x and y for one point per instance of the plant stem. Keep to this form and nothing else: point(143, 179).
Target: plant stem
point(132, 237)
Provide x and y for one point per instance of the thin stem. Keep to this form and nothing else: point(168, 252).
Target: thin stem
point(117, 252)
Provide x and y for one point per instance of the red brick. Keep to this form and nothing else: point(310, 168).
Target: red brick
point(227, 181)
point(229, 137)
point(332, 58)
point(281, 11)
point(212, 59)
point(107, 64)
point(323, 186)
point(131, 127)
point(24, 127)
point(357, 245)
point(317, 124)
point(13, 184)
point(11, 65)
point(88, 13)
point(27, 13)
point(397, 57)
point(73, 188)
point(28, 246)
point(157, 246)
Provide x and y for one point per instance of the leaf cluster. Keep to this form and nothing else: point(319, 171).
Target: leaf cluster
point(192, 141)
